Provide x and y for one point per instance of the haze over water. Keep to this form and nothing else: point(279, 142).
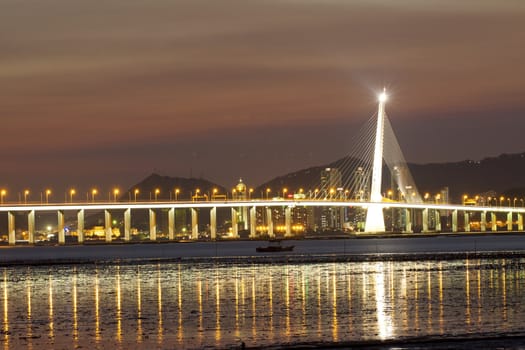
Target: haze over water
point(198, 304)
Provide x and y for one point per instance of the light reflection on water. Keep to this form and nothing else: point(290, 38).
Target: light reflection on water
point(195, 305)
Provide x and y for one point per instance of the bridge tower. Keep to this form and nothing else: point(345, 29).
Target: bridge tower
point(375, 221)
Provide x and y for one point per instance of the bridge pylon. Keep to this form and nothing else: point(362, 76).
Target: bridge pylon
point(375, 221)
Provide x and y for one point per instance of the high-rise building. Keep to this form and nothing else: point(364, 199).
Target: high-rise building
point(331, 183)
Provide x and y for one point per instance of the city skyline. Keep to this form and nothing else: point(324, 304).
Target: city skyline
point(104, 96)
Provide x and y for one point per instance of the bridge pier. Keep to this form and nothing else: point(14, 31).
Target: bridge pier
point(520, 222)
point(467, 221)
point(194, 224)
point(269, 222)
point(171, 224)
point(253, 223)
point(152, 225)
point(494, 222)
point(107, 226)
point(408, 221)
point(11, 229)
point(455, 220)
point(60, 227)
point(288, 221)
point(509, 221)
point(80, 226)
point(235, 227)
point(213, 223)
point(31, 226)
point(425, 220)
point(438, 221)
point(483, 222)
point(127, 225)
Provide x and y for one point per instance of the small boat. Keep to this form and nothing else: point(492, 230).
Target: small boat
point(274, 246)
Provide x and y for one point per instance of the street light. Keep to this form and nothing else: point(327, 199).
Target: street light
point(135, 193)
point(116, 191)
point(501, 200)
point(177, 191)
point(514, 202)
point(284, 192)
point(48, 192)
point(214, 193)
point(93, 194)
point(250, 193)
point(157, 191)
point(316, 191)
point(26, 193)
point(2, 194)
point(72, 192)
point(268, 190)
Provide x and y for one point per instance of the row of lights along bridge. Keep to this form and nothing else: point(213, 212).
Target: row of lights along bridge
point(198, 195)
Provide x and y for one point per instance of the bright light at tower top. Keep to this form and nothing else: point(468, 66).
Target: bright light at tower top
point(383, 96)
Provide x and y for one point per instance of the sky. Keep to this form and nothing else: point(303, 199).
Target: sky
point(105, 93)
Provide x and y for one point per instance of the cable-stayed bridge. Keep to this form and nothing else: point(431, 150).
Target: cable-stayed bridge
point(354, 189)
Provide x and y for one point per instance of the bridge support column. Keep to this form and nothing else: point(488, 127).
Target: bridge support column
point(80, 226)
point(438, 221)
point(171, 224)
point(288, 221)
point(494, 222)
point(11, 229)
point(455, 221)
point(127, 225)
point(467, 221)
point(60, 227)
point(245, 217)
point(425, 220)
point(152, 225)
point(253, 223)
point(213, 223)
point(31, 226)
point(408, 221)
point(520, 222)
point(194, 224)
point(509, 221)
point(235, 226)
point(107, 224)
point(269, 222)
point(483, 222)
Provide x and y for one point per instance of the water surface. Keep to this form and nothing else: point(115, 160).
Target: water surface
point(196, 305)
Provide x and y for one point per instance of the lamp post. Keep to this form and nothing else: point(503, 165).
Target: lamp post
point(157, 191)
point(26, 193)
point(514, 202)
point(93, 194)
point(72, 192)
point(268, 190)
point(177, 191)
point(501, 200)
point(284, 192)
point(48, 192)
point(116, 191)
point(135, 193)
point(214, 193)
point(250, 191)
point(2, 195)
point(316, 191)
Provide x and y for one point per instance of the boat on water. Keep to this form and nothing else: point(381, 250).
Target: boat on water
point(275, 246)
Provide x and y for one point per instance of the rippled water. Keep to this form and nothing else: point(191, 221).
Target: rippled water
point(195, 305)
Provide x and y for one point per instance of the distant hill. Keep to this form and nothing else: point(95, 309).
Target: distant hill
point(504, 174)
point(167, 186)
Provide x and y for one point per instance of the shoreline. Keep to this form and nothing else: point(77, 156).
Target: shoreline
point(278, 259)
